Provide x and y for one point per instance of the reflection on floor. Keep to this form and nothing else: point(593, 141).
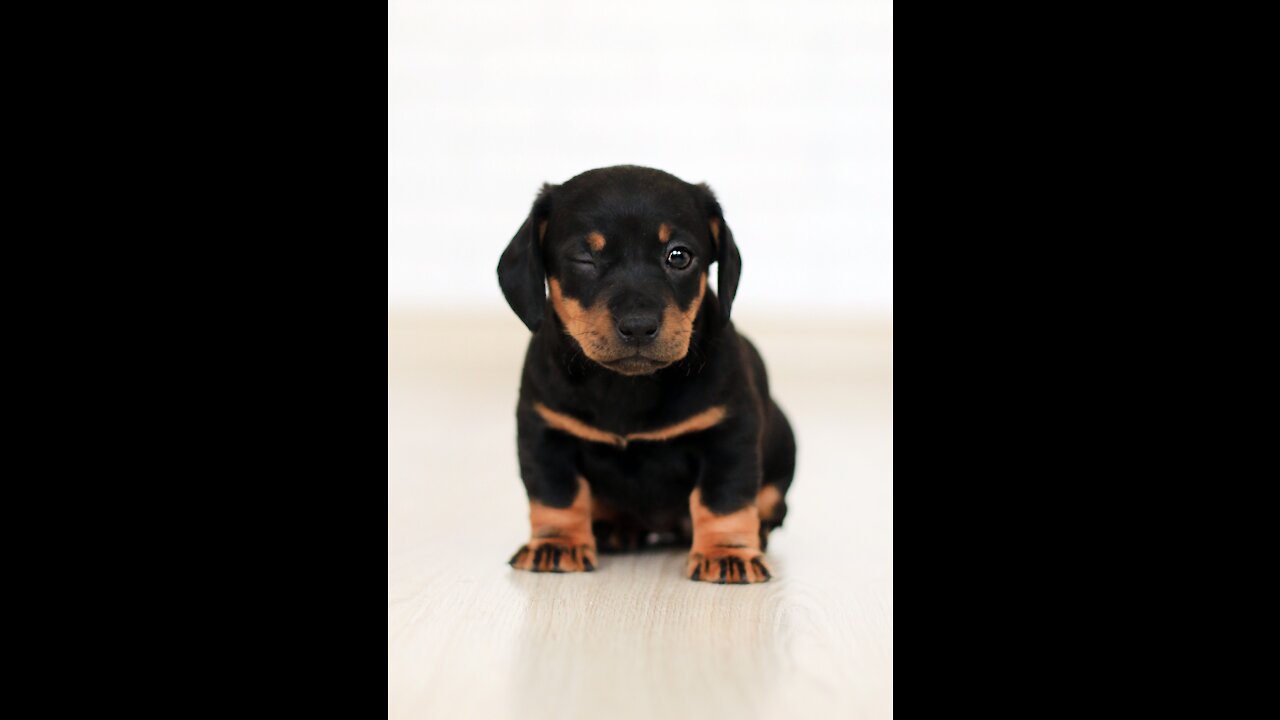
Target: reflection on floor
point(469, 637)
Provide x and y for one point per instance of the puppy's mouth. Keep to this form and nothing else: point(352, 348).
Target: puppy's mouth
point(635, 365)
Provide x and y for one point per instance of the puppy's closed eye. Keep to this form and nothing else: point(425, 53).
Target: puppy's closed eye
point(583, 263)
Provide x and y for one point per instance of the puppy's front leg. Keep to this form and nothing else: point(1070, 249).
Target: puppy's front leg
point(560, 537)
point(726, 522)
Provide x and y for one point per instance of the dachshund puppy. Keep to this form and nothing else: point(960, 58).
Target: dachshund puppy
point(643, 417)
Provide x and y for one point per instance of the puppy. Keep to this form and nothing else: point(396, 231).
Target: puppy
point(643, 417)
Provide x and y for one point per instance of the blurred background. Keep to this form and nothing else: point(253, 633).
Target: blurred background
point(786, 110)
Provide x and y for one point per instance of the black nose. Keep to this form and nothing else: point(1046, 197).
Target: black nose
point(638, 328)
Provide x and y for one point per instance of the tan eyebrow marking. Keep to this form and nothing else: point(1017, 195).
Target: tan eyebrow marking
point(567, 423)
point(596, 241)
point(715, 232)
point(664, 233)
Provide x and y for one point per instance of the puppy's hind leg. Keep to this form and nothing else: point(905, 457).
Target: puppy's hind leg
point(615, 533)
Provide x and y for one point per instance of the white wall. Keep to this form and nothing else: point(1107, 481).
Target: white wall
point(784, 107)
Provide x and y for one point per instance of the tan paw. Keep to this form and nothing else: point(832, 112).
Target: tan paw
point(736, 566)
point(555, 555)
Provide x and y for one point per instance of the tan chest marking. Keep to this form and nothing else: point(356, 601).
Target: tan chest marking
point(567, 423)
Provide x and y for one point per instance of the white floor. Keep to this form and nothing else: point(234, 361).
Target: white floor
point(470, 638)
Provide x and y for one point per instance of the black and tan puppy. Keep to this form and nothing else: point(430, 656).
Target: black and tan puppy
point(641, 410)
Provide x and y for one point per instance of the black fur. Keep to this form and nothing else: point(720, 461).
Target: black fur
point(521, 272)
point(648, 482)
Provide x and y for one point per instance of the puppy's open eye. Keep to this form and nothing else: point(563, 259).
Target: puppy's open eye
point(679, 258)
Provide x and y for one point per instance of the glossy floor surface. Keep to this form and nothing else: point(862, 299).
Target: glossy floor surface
point(468, 637)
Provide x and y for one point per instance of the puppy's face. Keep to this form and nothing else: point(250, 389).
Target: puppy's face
point(626, 254)
point(627, 286)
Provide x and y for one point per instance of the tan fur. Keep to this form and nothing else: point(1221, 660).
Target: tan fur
point(562, 534)
point(767, 501)
point(677, 324)
point(734, 537)
point(567, 423)
point(595, 241)
point(577, 428)
point(703, 420)
point(664, 233)
point(593, 326)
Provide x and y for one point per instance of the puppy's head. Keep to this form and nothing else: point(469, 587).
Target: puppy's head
point(625, 252)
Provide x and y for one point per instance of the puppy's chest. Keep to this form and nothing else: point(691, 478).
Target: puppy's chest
point(619, 429)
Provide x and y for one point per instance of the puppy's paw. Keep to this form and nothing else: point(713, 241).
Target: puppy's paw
point(737, 566)
point(555, 555)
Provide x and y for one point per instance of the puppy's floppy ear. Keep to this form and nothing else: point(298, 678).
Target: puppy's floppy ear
point(727, 257)
point(521, 272)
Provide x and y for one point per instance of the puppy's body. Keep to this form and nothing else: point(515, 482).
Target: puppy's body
point(641, 410)
point(646, 482)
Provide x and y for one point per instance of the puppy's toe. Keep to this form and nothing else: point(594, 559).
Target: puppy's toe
point(734, 566)
point(555, 555)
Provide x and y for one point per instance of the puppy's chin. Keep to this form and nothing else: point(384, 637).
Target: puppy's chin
point(635, 365)
point(623, 360)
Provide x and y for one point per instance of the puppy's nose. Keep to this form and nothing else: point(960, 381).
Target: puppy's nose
point(639, 328)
